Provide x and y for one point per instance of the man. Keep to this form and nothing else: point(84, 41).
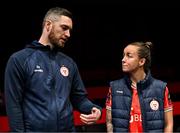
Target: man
point(42, 85)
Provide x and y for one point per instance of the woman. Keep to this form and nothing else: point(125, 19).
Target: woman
point(138, 102)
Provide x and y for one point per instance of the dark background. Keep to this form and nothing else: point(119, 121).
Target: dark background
point(101, 29)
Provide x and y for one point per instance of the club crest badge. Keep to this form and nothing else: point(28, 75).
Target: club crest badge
point(64, 71)
point(154, 104)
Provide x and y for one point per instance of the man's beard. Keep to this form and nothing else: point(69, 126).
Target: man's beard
point(54, 40)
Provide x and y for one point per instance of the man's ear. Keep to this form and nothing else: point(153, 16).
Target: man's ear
point(142, 61)
point(48, 25)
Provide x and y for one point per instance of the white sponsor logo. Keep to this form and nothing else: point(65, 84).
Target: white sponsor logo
point(135, 118)
point(38, 69)
point(119, 91)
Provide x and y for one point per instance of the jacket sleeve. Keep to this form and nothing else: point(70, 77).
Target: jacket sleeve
point(14, 82)
point(79, 95)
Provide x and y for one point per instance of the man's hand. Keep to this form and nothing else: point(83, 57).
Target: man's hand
point(91, 118)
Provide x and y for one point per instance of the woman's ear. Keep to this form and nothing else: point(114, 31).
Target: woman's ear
point(142, 62)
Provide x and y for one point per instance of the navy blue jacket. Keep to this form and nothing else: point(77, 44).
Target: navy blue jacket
point(149, 90)
point(41, 88)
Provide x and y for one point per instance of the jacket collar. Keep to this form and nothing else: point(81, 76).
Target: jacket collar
point(36, 45)
point(141, 84)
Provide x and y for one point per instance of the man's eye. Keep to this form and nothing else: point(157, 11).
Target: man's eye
point(64, 28)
